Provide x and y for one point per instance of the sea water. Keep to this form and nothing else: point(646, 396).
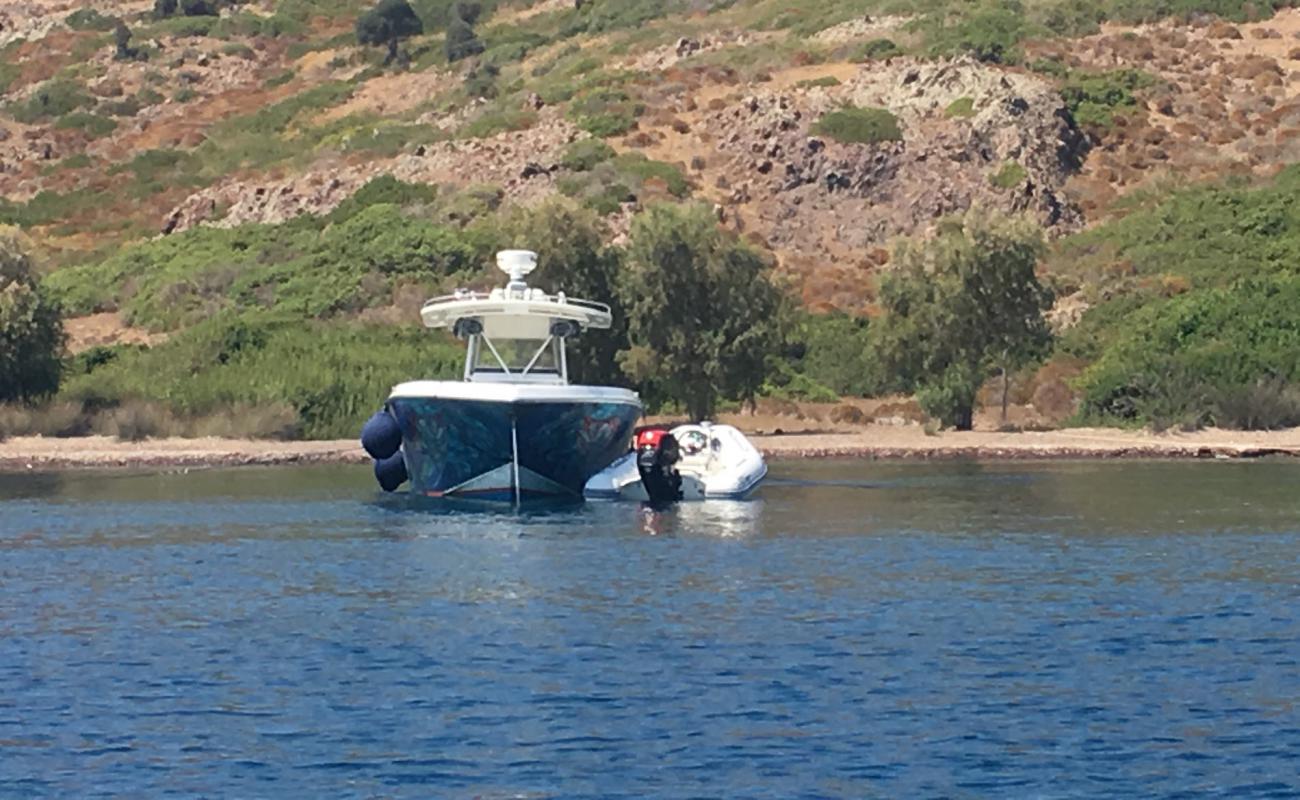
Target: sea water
point(1093, 629)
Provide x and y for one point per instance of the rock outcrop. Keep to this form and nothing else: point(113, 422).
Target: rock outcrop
point(813, 195)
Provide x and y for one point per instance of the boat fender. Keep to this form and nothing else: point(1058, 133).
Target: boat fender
point(381, 436)
point(391, 471)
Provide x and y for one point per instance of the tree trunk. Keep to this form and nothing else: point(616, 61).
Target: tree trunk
point(1005, 390)
point(700, 406)
point(965, 418)
point(392, 51)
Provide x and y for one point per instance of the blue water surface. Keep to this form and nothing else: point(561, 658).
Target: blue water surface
point(861, 630)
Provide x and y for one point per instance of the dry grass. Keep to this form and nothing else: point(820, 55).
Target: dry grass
point(136, 421)
point(54, 419)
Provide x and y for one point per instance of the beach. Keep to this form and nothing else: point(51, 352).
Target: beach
point(873, 441)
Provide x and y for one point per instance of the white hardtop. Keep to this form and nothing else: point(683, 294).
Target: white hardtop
point(515, 311)
point(515, 334)
point(515, 392)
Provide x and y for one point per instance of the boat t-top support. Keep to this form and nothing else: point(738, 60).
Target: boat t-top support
point(517, 313)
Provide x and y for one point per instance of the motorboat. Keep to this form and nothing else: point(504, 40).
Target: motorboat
point(696, 461)
point(513, 426)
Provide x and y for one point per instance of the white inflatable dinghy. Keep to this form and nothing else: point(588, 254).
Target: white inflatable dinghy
point(689, 462)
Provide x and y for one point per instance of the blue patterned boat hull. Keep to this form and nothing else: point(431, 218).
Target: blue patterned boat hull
point(464, 447)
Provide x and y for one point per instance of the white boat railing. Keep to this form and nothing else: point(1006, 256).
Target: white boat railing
point(467, 295)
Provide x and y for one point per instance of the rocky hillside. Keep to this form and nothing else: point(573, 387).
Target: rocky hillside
point(822, 131)
point(272, 110)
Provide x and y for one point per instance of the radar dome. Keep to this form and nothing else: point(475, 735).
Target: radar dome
point(516, 263)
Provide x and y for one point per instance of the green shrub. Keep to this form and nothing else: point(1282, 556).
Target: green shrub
point(332, 376)
point(481, 81)
point(814, 83)
point(1050, 67)
point(606, 185)
point(1009, 176)
point(8, 72)
point(1268, 404)
point(48, 206)
point(1094, 99)
point(950, 396)
point(498, 120)
point(31, 324)
point(296, 268)
point(961, 108)
point(238, 49)
point(93, 125)
point(601, 16)
point(126, 107)
point(52, 99)
point(89, 19)
point(991, 31)
point(585, 154)
point(643, 169)
point(76, 161)
point(605, 112)
point(1202, 353)
point(278, 117)
point(390, 139)
point(852, 125)
point(875, 50)
point(279, 79)
point(836, 351)
point(509, 46)
point(803, 19)
point(180, 27)
point(385, 190)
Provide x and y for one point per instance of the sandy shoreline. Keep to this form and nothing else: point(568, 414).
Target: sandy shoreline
point(877, 442)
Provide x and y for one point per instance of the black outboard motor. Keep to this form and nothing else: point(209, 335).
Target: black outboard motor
point(657, 454)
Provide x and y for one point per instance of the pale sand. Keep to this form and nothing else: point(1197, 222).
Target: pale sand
point(874, 441)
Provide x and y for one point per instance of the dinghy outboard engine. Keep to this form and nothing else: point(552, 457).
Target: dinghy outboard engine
point(657, 454)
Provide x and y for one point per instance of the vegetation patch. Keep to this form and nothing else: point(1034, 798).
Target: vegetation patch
point(498, 120)
point(1094, 99)
point(50, 100)
point(989, 31)
point(852, 125)
point(89, 19)
point(1009, 176)
point(93, 125)
point(1190, 356)
point(585, 154)
point(330, 376)
point(605, 112)
point(1201, 356)
point(874, 50)
point(606, 185)
point(961, 108)
point(822, 82)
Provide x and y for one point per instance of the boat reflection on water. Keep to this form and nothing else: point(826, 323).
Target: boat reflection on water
point(721, 519)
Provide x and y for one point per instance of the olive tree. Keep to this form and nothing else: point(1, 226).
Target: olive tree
point(31, 330)
point(572, 257)
point(704, 316)
point(388, 23)
point(962, 306)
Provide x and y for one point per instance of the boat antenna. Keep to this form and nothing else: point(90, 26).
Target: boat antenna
point(516, 264)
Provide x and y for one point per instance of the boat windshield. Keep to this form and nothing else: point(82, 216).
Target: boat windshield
point(531, 356)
